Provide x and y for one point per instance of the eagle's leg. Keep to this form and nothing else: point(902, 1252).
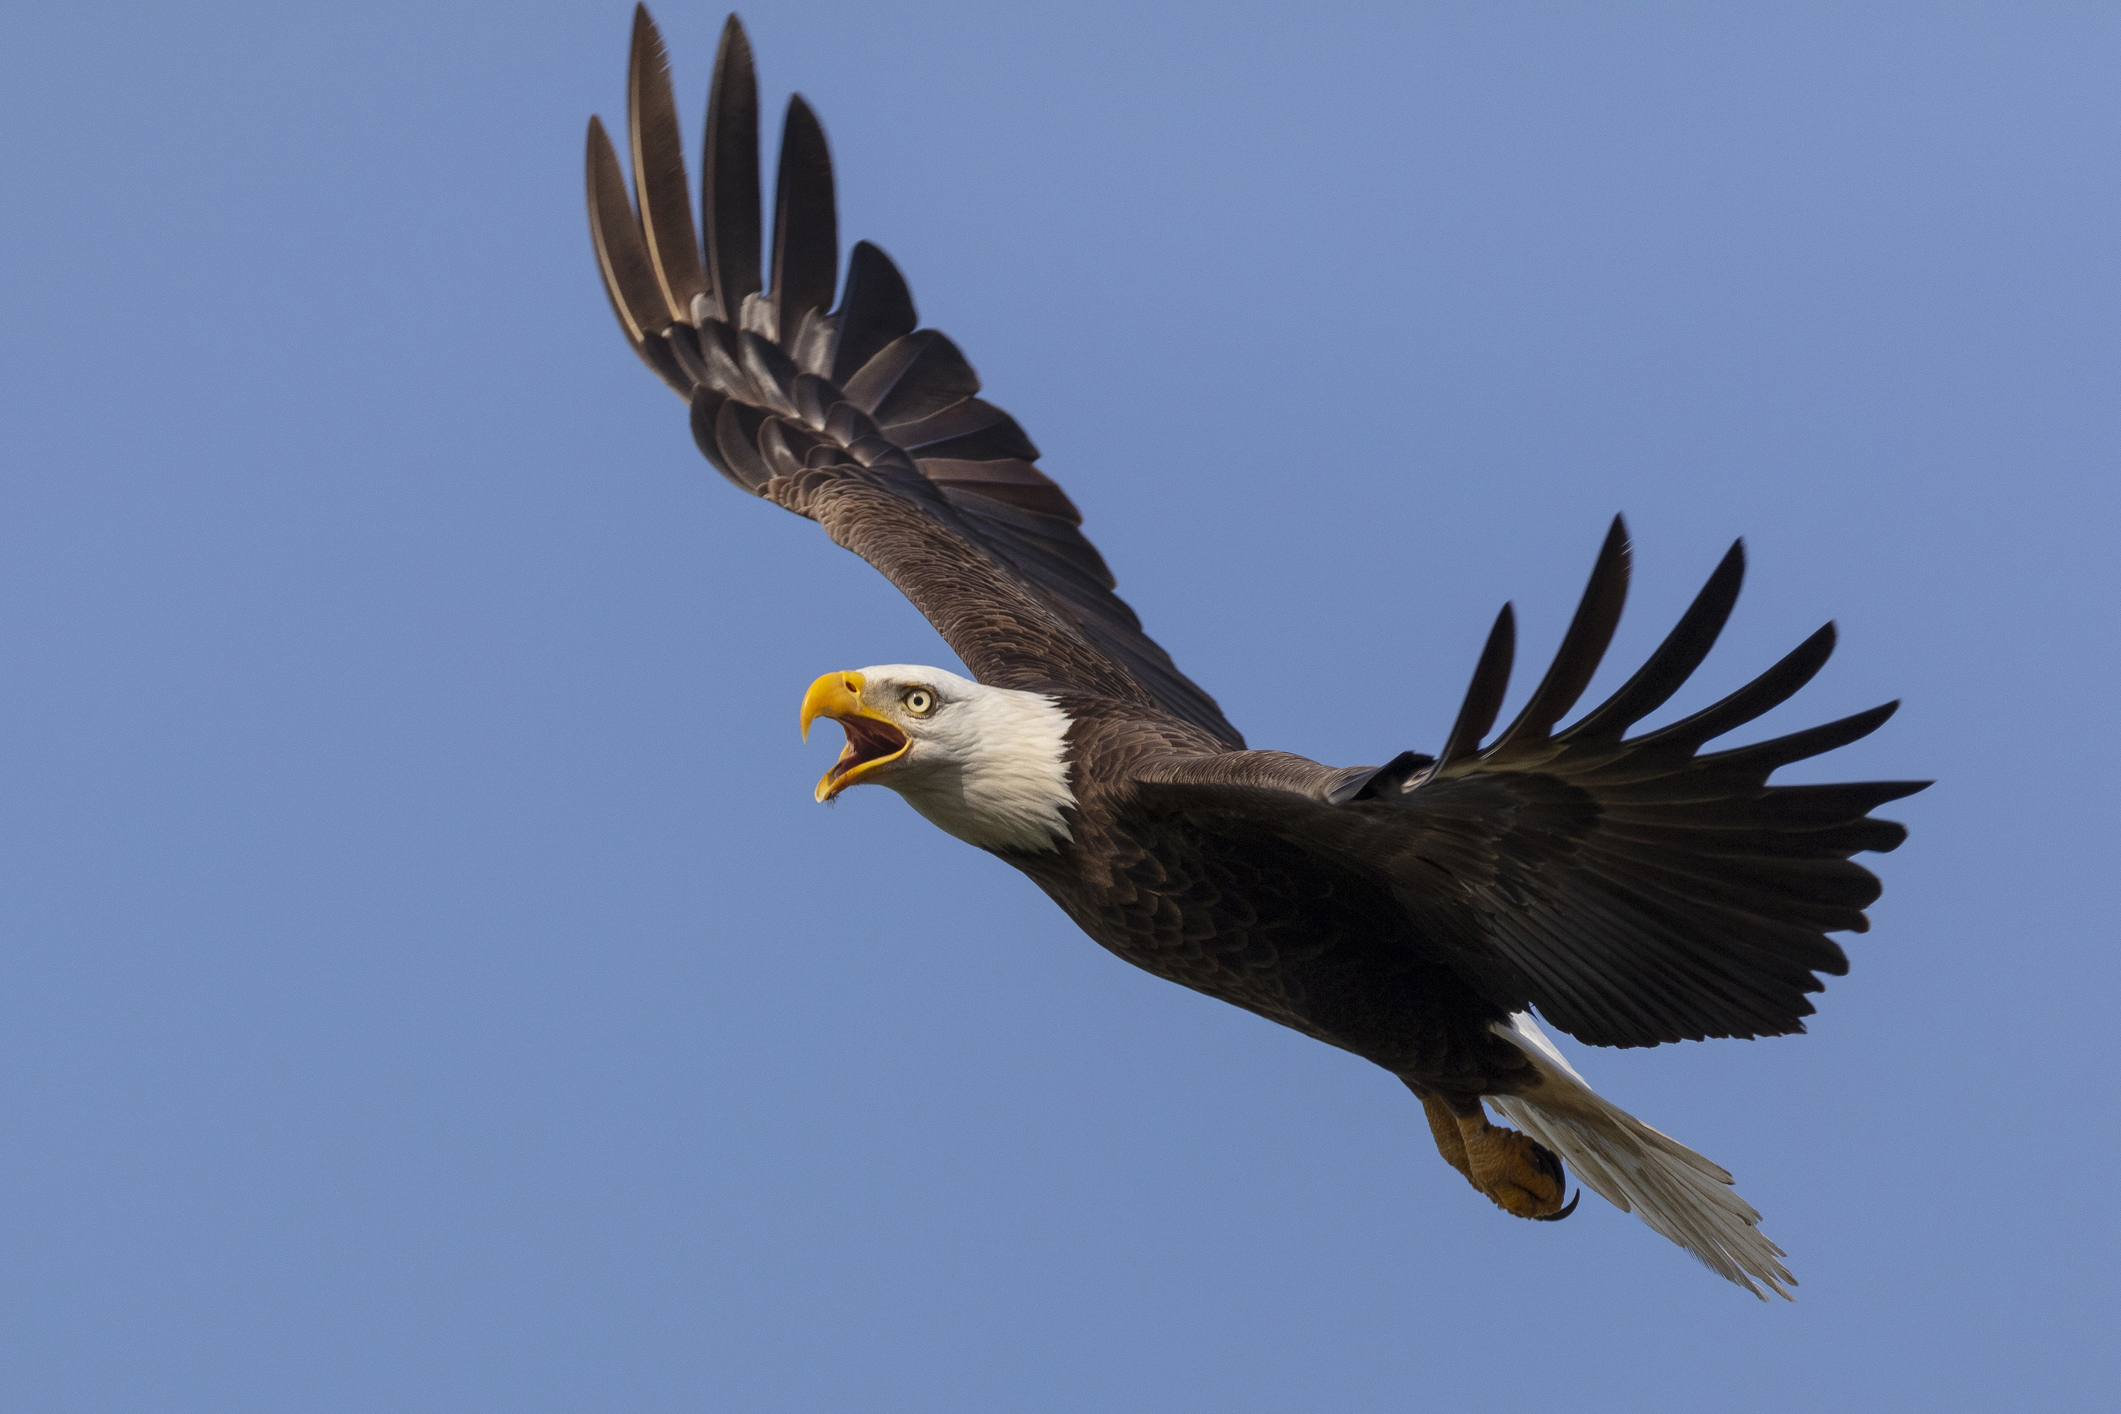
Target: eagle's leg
point(1517, 1175)
point(1443, 1127)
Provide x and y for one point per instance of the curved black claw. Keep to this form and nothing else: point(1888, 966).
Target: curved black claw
point(1550, 1164)
point(1557, 1217)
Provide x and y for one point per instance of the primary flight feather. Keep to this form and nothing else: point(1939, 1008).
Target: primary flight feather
point(1632, 889)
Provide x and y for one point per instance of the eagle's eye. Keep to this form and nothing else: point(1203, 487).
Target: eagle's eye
point(919, 701)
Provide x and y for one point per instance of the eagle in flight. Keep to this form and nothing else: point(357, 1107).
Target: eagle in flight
point(1633, 889)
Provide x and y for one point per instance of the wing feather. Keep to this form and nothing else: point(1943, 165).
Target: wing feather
point(855, 417)
point(1697, 896)
point(806, 248)
point(1632, 889)
point(1583, 646)
point(659, 170)
point(1483, 700)
point(877, 309)
point(622, 258)
point(729, 176)
point(1673, 663)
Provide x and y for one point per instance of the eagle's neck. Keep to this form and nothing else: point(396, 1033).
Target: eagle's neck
point(1000, 777)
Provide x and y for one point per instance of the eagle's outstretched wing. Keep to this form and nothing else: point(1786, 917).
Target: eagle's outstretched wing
point(1632, 889)
point(854, 417)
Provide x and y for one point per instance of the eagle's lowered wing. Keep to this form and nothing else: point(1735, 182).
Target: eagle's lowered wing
point(854, 417)
point(1632, 890)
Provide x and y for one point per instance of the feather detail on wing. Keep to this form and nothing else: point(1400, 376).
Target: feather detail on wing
point(855, 416)
point(1633, 889)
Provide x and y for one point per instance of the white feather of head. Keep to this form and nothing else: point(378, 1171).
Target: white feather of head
point(986, 764)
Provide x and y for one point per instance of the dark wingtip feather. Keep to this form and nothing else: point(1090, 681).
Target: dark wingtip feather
point(659, 169)
point(875, 309)
point(1583, 646)
point(1675, 659)
point(1763, 758)
point(1491, 680)
point(636, 298)
point(1770, 690)
point(806, 241)
point(729, 176)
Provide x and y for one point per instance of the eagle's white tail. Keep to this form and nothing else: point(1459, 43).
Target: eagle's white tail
point(1636, 1169)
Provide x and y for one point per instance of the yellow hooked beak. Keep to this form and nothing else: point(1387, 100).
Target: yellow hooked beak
point(873, 741)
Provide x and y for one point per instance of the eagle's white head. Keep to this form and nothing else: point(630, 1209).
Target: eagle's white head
point(987, 764)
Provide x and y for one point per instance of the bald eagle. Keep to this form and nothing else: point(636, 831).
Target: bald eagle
point(1634, 890)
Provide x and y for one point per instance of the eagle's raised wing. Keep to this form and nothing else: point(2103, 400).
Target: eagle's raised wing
point(854, 417)
point(1632, 889)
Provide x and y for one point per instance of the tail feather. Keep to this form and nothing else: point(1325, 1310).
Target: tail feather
point(1636, 1169)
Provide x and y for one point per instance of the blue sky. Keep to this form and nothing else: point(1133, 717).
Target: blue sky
point(427, 983)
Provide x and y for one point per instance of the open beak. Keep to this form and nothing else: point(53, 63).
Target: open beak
point(873, 741)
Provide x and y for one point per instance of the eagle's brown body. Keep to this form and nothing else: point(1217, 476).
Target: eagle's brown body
point(1633, 889)
point(1252, 920)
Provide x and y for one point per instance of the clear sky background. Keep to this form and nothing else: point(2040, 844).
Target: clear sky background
point(427, 984)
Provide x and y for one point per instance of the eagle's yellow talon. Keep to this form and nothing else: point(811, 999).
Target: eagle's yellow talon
point(1517, 1175)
